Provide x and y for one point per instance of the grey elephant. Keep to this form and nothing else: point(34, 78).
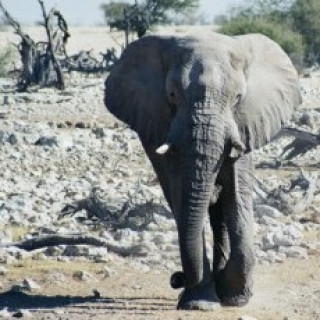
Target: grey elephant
point(200, 105)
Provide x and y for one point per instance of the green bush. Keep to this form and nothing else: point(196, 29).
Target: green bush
point(6, 57)
point(306, 19)
point(290, 41)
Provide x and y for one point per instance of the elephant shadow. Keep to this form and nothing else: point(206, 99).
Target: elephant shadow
point(14, 301)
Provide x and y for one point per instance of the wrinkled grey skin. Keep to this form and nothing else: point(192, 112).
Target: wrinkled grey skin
point(211, 99)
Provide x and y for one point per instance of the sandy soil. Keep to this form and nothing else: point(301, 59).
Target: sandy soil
point(282, 291)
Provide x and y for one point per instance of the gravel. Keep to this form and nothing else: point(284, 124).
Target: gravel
point(61, 150)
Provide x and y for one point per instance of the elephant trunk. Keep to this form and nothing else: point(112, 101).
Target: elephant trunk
point(201, 160)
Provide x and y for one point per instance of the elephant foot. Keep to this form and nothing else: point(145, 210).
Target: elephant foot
point(234, 288)
point(235, 300)
point(200, 297)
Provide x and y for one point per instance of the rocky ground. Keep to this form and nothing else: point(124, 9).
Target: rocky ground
point(68, 167)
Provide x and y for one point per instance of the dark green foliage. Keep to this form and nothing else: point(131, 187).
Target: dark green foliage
point(294, 24)
point(306, 19)
point(140, 16)
point(290, 41)
point(113, 11)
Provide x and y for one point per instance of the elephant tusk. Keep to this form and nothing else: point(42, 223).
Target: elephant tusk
point(163, 149)
point(237, 150)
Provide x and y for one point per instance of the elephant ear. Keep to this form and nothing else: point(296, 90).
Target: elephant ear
point(272, 91)
point(135, 89)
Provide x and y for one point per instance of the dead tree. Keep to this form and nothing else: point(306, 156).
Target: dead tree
point(40, 64)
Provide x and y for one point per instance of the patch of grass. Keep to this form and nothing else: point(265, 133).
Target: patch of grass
point(17, 232)
point(31, 268)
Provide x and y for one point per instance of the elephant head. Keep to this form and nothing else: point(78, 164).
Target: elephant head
point(204, 98)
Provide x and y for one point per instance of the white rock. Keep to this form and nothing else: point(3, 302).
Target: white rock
point(280, 239)
point(22, 314)
point(267, 241)
point(294, 252)
point(265, 210)
point(30, 285)
point(65, 141)
point(83, 276)
point(246, 317)
point(3, 271)
point(108, 272)
point(5, 314)
point(267, 221)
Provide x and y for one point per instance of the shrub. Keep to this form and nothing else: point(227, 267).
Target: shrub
point(290, 41)
point(306, 20)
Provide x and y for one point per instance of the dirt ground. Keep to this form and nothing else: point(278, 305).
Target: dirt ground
point(290, 290)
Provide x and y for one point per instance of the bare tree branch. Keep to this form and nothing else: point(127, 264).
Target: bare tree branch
point(15, 25)
point(55, 64)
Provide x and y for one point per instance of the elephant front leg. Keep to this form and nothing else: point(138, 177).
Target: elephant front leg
point(202, 296)
point(233, 277)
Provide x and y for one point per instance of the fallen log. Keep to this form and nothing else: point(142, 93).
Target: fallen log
point(60, 239)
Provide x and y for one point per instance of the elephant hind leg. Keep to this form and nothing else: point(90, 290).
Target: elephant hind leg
point(232, 220)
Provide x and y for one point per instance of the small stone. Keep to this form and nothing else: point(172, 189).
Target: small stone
point(3, 271)
point(40, 256)
point(30, 285)
point(96, 294)
point(5, 235)
point(54, 251)
point(8, 100)
point(245, 317)
point(76, 251)
point(63, 259)
point(80, 125)
point(267, 241)
point(315, 216)
point(99, 132)
point(22, 314)
point(58, 311)
point(283, 240)
point(108, 273)
point(65, 141)
point(265, 210)
point(106, 235)
point(57, 277)
point(83, 276)
point(18, 288)
point(294, 252)
point(280, 257)
point(267, 221)
point(137, 286)
point(47, 142)
point(4, 313)
point(13, 139)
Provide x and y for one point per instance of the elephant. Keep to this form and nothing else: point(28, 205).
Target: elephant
point(200, 105)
